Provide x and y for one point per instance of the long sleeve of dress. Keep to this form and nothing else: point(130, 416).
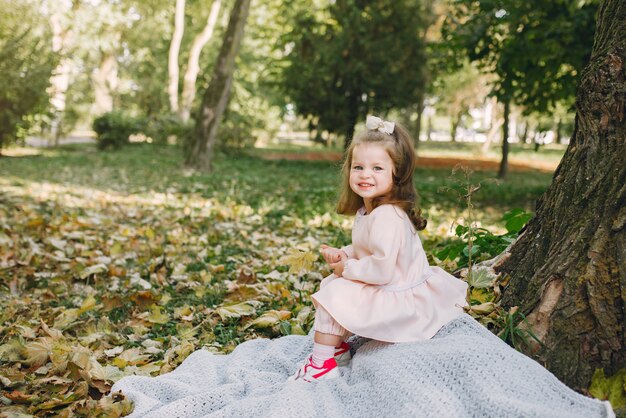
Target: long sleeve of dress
point(349, 250)
point(386, 236)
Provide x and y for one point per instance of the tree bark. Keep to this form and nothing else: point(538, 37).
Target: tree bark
point(172, 61)
point(568, 267)
point(504, 163)
point(200, 153)
point(193, 63)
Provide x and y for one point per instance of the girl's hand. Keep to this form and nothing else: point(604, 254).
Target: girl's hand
point(339, 266)
point(331, 255)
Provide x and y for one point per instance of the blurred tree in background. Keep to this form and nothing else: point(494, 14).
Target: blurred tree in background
point(322, 63)
point(183, 109)
point(352, 57)
point(460, 91)
point(26, 64)
point(535, 48)
point(199, 150)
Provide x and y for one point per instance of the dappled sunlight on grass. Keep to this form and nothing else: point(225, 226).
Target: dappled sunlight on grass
point(21, 152)
point(73, 196)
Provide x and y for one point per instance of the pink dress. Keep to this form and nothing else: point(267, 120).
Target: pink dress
point(388, 291)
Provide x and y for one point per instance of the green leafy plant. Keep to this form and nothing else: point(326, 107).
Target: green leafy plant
point(476, 244)
point(162, 127)
point(114, 128)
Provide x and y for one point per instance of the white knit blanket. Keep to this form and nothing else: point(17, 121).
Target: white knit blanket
point(464, 371)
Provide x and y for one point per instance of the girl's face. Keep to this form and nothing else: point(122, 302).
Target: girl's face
point(371, 173)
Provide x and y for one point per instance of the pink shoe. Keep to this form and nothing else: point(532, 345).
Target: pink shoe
point(342, 354)
point(309, 373)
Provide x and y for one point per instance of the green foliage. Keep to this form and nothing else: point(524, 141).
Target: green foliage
point(514, 329)
point(536, 48)
point(351, 57)
point(459, 90)
point(611, 388)
point(239, 123)
point(480, 279)
point(163, 126)
point(515, 219)
point(26, 64)
point(484, 244)
point(114, 128)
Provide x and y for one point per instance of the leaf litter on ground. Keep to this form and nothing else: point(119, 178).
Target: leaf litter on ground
point(99, 283)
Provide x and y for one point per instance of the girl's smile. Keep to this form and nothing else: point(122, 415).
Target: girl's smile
point(371, 173)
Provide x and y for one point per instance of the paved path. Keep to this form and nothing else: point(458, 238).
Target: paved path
point(33, 141)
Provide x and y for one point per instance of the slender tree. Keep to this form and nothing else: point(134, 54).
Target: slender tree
point(568, 267)
point(193, 63)
point(107, 32)
point(62, 33)
point(183, 107)
point(199, 153)
point(172, 61)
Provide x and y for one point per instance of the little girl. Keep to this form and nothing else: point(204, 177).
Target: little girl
point(382, 287)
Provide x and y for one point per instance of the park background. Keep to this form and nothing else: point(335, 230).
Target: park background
point(169, 170)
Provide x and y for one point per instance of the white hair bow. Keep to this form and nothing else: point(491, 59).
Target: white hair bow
point(374, 123)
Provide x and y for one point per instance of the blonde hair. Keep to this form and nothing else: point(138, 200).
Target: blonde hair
point(399, 146)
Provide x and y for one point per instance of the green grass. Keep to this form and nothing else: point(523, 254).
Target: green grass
point(303, 189)
point(517, 152)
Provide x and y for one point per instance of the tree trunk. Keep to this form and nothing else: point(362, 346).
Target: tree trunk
point(353, 112)
point(200, 154)
point(456, 119)
point(524, 138)
point(172, 60)
point(504, 163)
point(538, 136)
point(494, 125)
point(568, 268)
point(417, 128)
point(193, 64)
point(105, 82)
point(558, 133)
